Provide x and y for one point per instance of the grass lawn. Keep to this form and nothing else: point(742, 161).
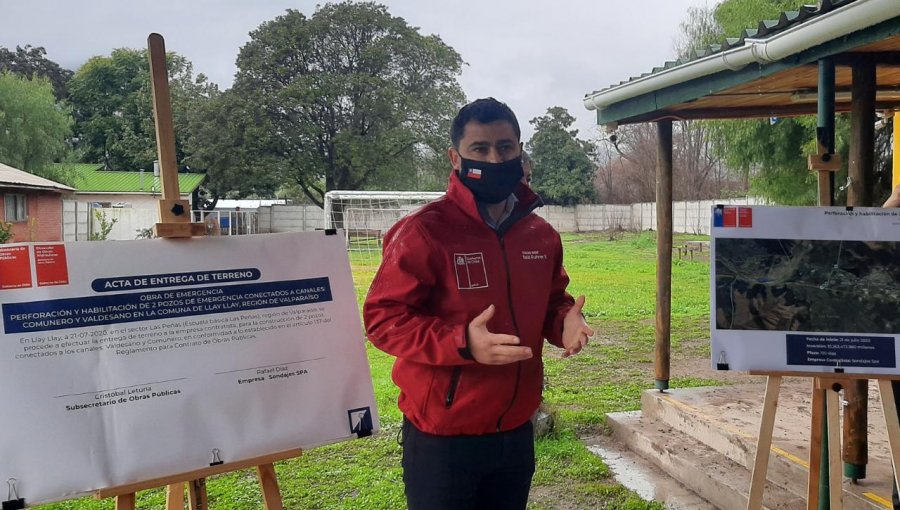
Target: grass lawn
point(619, 279)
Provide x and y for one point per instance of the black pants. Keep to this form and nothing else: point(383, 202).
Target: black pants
point(468, 472)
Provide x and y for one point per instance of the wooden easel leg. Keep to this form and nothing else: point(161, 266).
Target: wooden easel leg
point(815, 446)
point(175, 496)
point(125, 502)
point(197, 494)
point(835, 473)
point(764, 443)
point(269, 483)
point(889, 410)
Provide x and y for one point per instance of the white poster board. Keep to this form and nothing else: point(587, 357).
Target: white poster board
point(805, 289)
point(129, 360)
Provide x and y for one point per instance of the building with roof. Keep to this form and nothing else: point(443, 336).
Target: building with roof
point(139, 190)
point(836, 56)
point(32, 204)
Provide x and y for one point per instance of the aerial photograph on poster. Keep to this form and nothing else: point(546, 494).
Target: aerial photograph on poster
point(807, 285)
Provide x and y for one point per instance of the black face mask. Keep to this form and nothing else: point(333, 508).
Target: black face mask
point(491, 183)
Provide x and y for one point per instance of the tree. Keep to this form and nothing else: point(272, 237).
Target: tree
point(32, 62)
point(697, 31)
point(563, 171)
point(234, 140)
point(772, 152)
point(354, 95)
point(33, 127)
point(112, 102)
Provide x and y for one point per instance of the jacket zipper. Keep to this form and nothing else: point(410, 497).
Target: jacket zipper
point(454, 383)
point(512, 312)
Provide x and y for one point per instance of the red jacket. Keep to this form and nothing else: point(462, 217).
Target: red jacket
point(442, 267)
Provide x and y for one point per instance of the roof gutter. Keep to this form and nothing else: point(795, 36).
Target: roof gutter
point(37, 187)
point(825, 27)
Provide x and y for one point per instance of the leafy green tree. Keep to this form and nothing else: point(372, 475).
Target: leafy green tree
point(355, 97)
point(733, 16)
point(32, 61)
point(233, 138)
point(563, 170)
point(113, 107)
point(772, 153)
point(33, 127)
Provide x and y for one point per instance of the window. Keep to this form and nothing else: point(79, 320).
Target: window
point(16, 208)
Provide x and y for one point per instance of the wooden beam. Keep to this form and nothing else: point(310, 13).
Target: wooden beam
point(861, 173)
point(764, 443)
point(747, 112)
point(663, 253)
point(879, 58)
point(861, 164)
point(270, 491)
point(162, 110)
point(125, 501)
point(194, 475)
point(652, 103)
point(833, 417)
point(175, 496)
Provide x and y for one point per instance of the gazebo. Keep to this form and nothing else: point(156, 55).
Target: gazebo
point(837, 56)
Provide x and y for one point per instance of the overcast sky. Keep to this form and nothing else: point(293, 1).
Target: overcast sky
point(530, 54)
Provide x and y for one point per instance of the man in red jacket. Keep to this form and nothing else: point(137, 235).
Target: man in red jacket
point(468, 288)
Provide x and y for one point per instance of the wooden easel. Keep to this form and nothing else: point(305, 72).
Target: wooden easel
point(825, 409)
point(175, 221)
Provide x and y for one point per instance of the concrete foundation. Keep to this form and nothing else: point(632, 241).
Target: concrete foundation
point(705, 439)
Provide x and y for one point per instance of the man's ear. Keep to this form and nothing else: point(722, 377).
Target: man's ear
point(455, 158)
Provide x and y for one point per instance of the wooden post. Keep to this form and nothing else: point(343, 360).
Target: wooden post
point(889, 411)
point(663, 253)
point(197, 499)
point(269, 483)
point(174, 213)
point(815, 451)
point(861, 174)
point(125, 502)
point(764, 443)
point(861, 164)
point(175, 496)
point(833, 414)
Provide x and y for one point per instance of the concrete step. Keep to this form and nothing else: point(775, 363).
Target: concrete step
point(712, 476)
point(647, 480)
point(726, 420)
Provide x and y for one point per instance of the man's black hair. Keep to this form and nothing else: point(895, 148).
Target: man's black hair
point(483, 111)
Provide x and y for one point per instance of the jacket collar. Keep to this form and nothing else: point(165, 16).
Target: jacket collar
point(459, 194)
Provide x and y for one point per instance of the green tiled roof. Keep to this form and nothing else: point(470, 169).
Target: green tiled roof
point(91, 178)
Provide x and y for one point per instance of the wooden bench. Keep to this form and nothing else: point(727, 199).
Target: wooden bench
point(691, 247)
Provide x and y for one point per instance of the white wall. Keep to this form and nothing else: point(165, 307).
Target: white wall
point(75, 223)
point(136, 200)
point(692, 217)
point(290, 218)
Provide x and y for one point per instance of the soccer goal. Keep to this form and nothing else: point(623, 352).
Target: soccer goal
point(365, 216)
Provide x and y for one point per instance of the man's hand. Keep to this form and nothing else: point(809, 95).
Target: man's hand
point(493, 349)
point(575, 330)
point(894, 199)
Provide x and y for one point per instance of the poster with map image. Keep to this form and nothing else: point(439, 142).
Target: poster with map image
point(805, 289)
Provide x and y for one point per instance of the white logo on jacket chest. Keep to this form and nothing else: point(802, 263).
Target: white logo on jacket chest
point(470, 271)
point(533, 255)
